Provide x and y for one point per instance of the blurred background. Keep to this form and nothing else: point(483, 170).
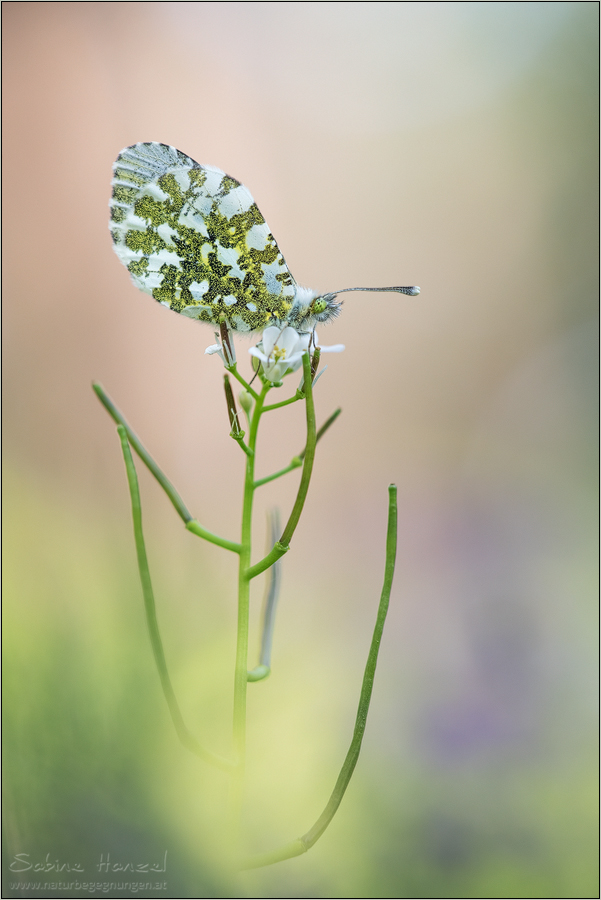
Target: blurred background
point(449, 145)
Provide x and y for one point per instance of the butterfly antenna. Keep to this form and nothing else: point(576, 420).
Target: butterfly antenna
point(411, 291)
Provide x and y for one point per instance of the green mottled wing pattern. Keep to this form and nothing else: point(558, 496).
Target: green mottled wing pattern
point(193, 238)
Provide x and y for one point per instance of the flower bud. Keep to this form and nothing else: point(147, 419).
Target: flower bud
point(246, 401)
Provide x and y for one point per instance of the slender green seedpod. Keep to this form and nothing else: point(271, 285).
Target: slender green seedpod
point(235, 429)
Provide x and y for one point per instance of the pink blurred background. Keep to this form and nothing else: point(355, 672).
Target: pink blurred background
point(450, 145)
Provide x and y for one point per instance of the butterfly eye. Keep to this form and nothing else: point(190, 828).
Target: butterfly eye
point(319, 305)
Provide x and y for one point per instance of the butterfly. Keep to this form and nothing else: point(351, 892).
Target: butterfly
point(193, 238)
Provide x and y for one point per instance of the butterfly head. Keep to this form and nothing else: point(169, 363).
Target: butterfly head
point(310, 308)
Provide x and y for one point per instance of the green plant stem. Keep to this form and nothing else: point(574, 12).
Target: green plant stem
point(181, 508)
point(294, 464)
point(263, 670)
point(328, 422)
point(241, 671)
point(185, 736)
point(304, 843)
point(143, 453)
point(259, 673)
point(234, 371)
point(309, 456)
point(298, 460)
point(197, 529)
point(298, 396)
point(239, 438)
point(247, 572)
point(276, 552)
point(282, 546)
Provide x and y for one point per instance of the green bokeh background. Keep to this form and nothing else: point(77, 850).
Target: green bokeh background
point(449, 145)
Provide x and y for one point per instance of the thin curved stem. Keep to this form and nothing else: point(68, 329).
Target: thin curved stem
point(298, 396)
point(196, 528)
point(276, 552)
point(294, 464)
point(328, 422)
point(297, 461)
point(143, 453)
point(190, 522)
point(185, 736)
point(234, 371)
point(241, 670)
point(304, 843)
point(274, 579)
point(309, 456)
point(283, 544)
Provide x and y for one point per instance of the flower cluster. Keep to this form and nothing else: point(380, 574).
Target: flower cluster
point(280, 351)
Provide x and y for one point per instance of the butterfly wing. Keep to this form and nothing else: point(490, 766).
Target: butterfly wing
point(193, 238)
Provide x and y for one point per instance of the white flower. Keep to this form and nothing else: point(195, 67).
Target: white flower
point(281, 350)
point(217, 348)
point(335, 348)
